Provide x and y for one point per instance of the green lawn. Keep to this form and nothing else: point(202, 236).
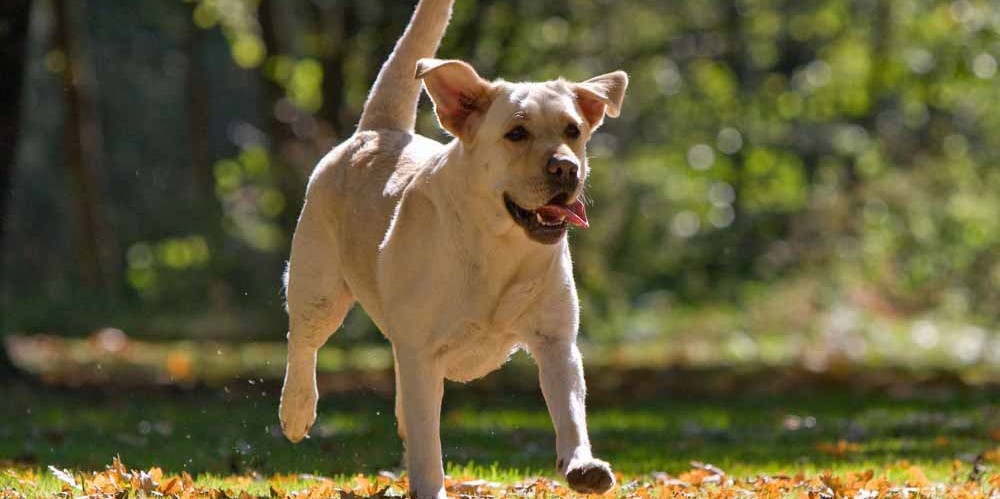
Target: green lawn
point(502, 435)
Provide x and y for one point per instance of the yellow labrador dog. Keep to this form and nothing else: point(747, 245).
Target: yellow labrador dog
point(457, 251)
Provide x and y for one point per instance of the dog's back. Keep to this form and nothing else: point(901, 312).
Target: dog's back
point(358, 186)
point(348, 207)
point(359, 183)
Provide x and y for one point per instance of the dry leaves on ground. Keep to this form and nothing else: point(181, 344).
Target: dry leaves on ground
point(701, 481)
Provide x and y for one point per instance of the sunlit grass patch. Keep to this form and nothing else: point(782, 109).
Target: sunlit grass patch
point(227, 438)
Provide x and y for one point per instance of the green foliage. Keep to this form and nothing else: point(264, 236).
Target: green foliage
point(238, 22)
point(251, 203)
point(835, 139)
point(149, 265)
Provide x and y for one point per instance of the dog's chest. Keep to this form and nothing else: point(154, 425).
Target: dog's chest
point(473, 351)
point(485, 341)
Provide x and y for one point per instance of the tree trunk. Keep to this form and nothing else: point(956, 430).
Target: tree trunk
point(281, 133)
point(13, 52)
point(96, 250)
point(337, 23)
point(198, 117)
point(291, 167)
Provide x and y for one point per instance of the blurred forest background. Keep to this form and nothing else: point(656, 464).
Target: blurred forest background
point(810, 182)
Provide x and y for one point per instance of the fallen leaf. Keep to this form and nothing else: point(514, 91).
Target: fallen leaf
point(840, 448)
point(64, 476)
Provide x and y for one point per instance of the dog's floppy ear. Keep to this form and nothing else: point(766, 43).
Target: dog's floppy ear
point(601, 95)
point(460, 96)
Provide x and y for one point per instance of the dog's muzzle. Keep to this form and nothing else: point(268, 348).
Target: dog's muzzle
point(548, 223)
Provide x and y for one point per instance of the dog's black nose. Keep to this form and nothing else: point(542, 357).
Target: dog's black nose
point(563, 169)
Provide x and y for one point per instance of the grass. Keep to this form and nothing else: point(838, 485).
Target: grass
point(223, 435)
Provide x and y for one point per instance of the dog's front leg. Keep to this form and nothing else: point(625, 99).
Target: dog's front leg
point(420, 386)
point(560, 371)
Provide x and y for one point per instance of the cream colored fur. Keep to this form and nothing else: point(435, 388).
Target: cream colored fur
point(417, 232)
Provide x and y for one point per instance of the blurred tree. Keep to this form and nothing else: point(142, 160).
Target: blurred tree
point(198, 113)
point(14, 18)
point(282, 114)
point(336, 24)
point(96, 246)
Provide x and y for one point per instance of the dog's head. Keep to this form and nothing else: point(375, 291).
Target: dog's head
point(527, 140)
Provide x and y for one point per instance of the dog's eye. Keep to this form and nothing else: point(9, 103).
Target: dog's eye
point(572, 131)
point(516, 134)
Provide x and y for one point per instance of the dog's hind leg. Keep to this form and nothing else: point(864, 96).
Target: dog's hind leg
point(318, 300)
point(392, 103)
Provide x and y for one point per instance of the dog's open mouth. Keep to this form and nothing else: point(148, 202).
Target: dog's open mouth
point(547, 223)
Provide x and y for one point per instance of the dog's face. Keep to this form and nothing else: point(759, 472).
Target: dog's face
point(530, 139)
point(534, 137)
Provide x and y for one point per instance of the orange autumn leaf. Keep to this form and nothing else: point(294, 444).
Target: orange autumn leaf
point(916, 477)
point(992, 456)
point(172, 486)
point(994, 480)
point(839, 448)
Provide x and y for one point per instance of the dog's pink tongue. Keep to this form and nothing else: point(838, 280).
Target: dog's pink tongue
point(574, 213)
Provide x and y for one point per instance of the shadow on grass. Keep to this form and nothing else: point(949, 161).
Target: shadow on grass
point(747, 422)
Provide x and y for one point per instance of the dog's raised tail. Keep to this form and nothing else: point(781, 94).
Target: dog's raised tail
point(392, 103)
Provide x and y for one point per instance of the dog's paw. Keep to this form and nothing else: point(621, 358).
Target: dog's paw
point(297, 410)
point(590, 476)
